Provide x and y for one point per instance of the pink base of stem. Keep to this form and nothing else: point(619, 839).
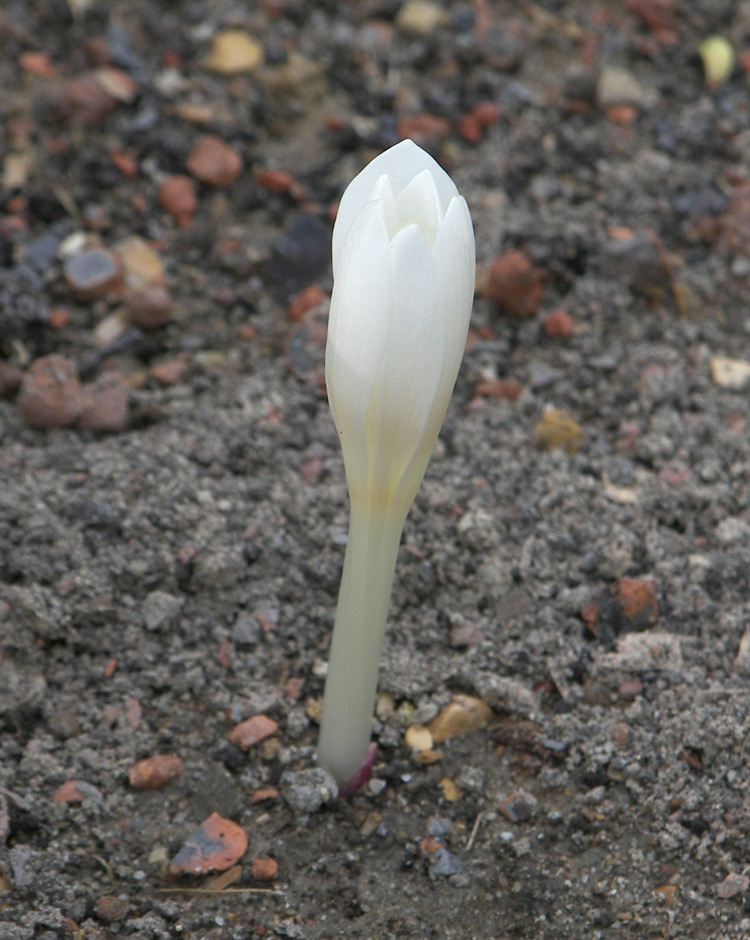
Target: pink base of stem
point(364, 773)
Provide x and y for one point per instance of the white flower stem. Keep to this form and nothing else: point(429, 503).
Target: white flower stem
point(359, 629)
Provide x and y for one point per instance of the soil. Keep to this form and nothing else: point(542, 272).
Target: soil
point(165, 579)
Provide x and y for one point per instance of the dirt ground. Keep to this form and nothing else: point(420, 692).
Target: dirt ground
point(173, 508)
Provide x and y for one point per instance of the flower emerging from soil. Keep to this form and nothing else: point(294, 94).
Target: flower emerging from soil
point(404, 271)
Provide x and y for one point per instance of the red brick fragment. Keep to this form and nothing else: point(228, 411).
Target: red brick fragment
point(515, 284)
point(155, 772)
point(253, 731)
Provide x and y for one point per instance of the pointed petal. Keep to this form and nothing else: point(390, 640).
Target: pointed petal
point(410, 372)
point(359, 323)
point(419, 202)
point(400, 164)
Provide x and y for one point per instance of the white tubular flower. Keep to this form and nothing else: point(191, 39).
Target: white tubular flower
point(404, 272)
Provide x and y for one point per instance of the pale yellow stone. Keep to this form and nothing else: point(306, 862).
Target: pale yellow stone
point(717, 55)
point(420, 17)
point(557, 430)
point(450, 791)
point(233, 52)
point(142, 265)
point(462, 716)
point(418, 738)
point(314, 709)
point(730, 373)
point(385, 705)
point(16, 169)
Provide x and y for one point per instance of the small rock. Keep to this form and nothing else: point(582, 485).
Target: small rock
point(445, 864)
point(306, 300)
point(155, 772)
point(451, 791)
point(161, 611)
point(170, 373)
point(149, 307)
point(75, 791)
point(117, 84)
point(250, 732)
point(265, 869)
point(215, 846)
point(418, 738)
point(717, 55)
point(730, 373)
point(51, 395)
point(617, 86)
point(93, 274)
point(499, 388)
point(462, 716)
point(111, 908)
point(519, 806)
point(233, 52)
point(214, 162)
point(514, 284)
point(307, 790)
point(84, 101)
point(556, 429)
point(733, 885)
point(177, 196)
point(105, 405)
point(559, 325)
point(142, 265)
point(420, 17)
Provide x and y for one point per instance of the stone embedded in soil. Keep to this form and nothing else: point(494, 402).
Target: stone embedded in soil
point(149, 307)
point(514, 284)
point(632, 605)
point(233, 52)
point(418, 738)
point(117, 84)
point(618, 86)
point(93, 274)
point(419, 18)
point(84, 101)
point(214, 162)
point(155, 772)
point(111, 908)
point(141, 263)
point(178, 197)
point(558, 325)
point(161, 611)
point(463, 715)
point(215, 846)
point(730, 373)
point(265, 869)
point(170, 373)
point(51, 395)
point(519, 806)
point(557, 430)
point(253, 731)
point(106, 405)
point(306, 791)
point(735, 883)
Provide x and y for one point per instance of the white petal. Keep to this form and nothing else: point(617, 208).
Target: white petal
point(410, 372)
point(359, 323)
point(400, 164)
point(419, 202)
point(455, 263)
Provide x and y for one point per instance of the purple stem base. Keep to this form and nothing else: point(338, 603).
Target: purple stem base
point(364, 773)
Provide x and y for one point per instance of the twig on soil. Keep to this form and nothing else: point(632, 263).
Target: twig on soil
point(214, 891)
point(474, 830)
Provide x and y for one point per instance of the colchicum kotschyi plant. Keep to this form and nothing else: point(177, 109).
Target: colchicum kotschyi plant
point(404, 272)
